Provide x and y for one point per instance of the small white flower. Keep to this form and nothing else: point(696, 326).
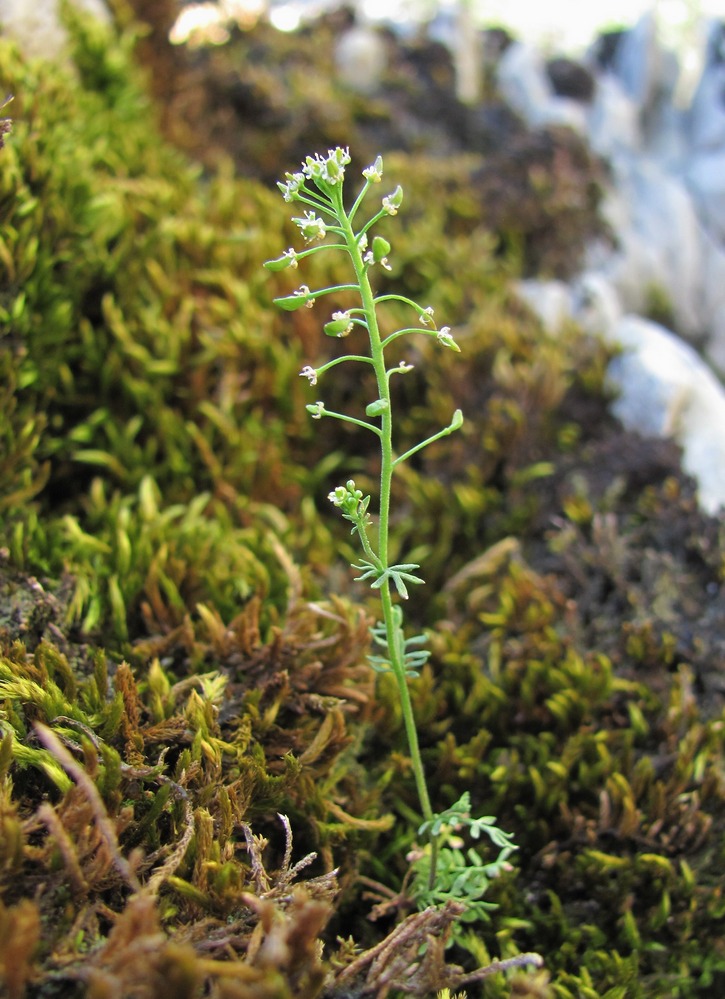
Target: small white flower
point(304, 292)
point(403, 367)
point(317, 410)
point(310, 373)
point(443, 336)
point(374, 173)
point(338, 495)
point(392, 202)
point(343, 317)
point(415, 854)
point(291, 189)
point(291, 253)
point(426, 316)
point(311, 227)
point(330, 169)
point(313, 166)
point(340, 325)
point(334, 169)
point(369, 259)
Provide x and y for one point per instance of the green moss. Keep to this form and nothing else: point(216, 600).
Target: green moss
point(160, 489)
point(614, 791)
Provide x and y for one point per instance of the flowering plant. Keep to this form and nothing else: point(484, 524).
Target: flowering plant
point(441, 869)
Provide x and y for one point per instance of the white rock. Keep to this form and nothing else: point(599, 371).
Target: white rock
point(636, 61)
point(713, 300)
point(37, 26)
point(613, 120)
point(648, 72)
point(664, 388)
point(666, 209)
point(661, 245)
point(361, 59)
point(551, 301)
point(522, 80)
point(705, 176)
point(706, 115)
point(706, 118)
point(524, 83)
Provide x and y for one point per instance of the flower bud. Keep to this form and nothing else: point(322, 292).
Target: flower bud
point(290, 190)
point(381, 248)
point(457, 421)
point(393, 201)
point(374, 173)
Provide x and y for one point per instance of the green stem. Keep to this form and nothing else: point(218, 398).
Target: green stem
point(339, 360)
point(454, 425)
point(408, 329)
point(352, 419)
point(386, 475)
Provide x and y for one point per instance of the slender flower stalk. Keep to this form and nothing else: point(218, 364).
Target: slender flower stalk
point(320, 187)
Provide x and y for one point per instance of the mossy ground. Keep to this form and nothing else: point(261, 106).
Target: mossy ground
point(182, 653)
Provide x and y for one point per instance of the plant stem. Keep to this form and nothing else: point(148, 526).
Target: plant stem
point(386, 475)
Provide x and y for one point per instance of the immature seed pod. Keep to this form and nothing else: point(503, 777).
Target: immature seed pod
point(381, 248)
point(338, 327)
point(290, 303)
point(377, 408)
point(281, 263)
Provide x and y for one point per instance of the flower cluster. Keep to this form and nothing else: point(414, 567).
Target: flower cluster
point(323, 171)
point(329, 169)
point(353, 506)
point(346, 497)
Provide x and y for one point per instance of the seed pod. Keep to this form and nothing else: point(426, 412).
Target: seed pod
point(377, 408)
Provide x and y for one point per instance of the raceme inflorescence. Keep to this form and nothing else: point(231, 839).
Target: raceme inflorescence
point(442, 869)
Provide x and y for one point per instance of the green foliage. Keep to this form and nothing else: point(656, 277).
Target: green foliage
point(612, 791)
point(120, 274)
point(460, 875)
point(154, 620)
point(408, 650)
point(139, 379)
